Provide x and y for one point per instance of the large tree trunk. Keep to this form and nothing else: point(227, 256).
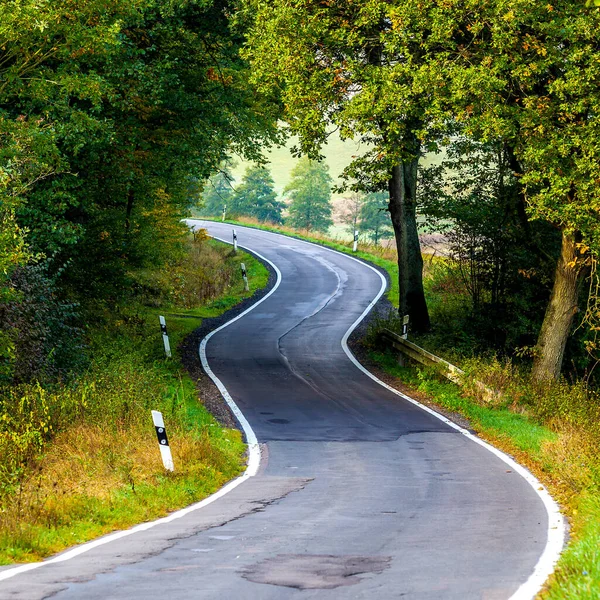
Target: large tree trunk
point(403, 186)
point(550, 348)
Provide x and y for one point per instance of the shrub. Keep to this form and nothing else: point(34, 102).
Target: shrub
point(41, 328)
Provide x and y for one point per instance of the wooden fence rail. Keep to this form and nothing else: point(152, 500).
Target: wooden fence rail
point(446, 369)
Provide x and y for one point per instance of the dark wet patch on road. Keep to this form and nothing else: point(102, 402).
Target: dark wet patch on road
point(315, 571)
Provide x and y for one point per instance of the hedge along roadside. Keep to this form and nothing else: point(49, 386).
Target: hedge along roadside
point(97, 467)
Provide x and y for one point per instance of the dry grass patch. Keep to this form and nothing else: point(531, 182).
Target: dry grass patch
point(80, 458)
point(93, 481)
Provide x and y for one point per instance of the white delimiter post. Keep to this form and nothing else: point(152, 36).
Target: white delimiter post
point(355, 245)
point(405, 327)
point(234, 241)
point(163, 328)
point(224, 212)
point(163, 441)
point(245, 277)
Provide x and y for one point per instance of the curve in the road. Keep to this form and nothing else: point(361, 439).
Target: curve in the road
point(452, 522)
point(556, 528)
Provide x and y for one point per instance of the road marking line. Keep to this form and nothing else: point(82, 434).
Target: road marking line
point(251, 468)
point(253, 446)
point(556, 524)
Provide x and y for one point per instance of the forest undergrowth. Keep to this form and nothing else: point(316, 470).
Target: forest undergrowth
point(80, 456)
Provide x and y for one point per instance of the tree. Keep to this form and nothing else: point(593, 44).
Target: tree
point(375, 218)
point(350, 214)
point(474, 197)
point(137, 101)
point(355, 67)
point(256, 196)
point(310, 193)
point(528, 75)
point(217, 192)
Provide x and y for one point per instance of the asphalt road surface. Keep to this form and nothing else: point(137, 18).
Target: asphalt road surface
point(360, 494)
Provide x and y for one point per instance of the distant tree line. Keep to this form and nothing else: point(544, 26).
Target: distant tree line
point(307, 196)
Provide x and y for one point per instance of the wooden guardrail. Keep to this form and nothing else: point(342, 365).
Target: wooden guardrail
point(446, 369)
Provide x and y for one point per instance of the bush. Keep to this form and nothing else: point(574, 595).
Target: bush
point(40, 328)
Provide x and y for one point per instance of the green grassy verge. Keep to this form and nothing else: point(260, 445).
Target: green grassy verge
point(81, 459)
point(497, 423)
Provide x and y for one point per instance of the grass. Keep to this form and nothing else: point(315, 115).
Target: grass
point(497, 423)
point(81, 460)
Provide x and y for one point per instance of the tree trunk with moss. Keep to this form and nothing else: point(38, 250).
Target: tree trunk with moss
point(552, 340)
point(403, 186)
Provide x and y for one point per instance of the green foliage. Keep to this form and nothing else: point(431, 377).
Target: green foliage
point(375, 218)
point(217, 192)
point(310, 193)
point(109, 115)
point(497, 258)
point(255, 197)
point(364, 80)
point(40, 328)
point(403, 76)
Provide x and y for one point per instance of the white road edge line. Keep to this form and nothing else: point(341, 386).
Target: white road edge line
point(556, 524)
point(253, 447)
point(251, 468)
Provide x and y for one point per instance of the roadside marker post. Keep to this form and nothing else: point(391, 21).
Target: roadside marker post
point(245, 277)
point(163, 329)
point(234, 242)
point(163, 441)
point(355, 245)
point(405, 327)
point(224, 212)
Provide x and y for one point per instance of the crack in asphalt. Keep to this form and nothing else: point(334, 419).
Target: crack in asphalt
point(298, 484)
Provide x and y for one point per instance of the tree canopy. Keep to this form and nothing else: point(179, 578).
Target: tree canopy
point(405, 76)
point(256, 196)
point(341, 66)
point(309, 193)
point(110, 115)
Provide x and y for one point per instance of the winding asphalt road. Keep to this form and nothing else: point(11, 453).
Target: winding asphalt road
point(360, 493)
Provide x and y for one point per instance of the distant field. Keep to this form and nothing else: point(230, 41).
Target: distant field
point(338, 155)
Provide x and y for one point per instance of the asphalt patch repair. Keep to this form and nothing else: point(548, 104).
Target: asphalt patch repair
point(315, 571)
